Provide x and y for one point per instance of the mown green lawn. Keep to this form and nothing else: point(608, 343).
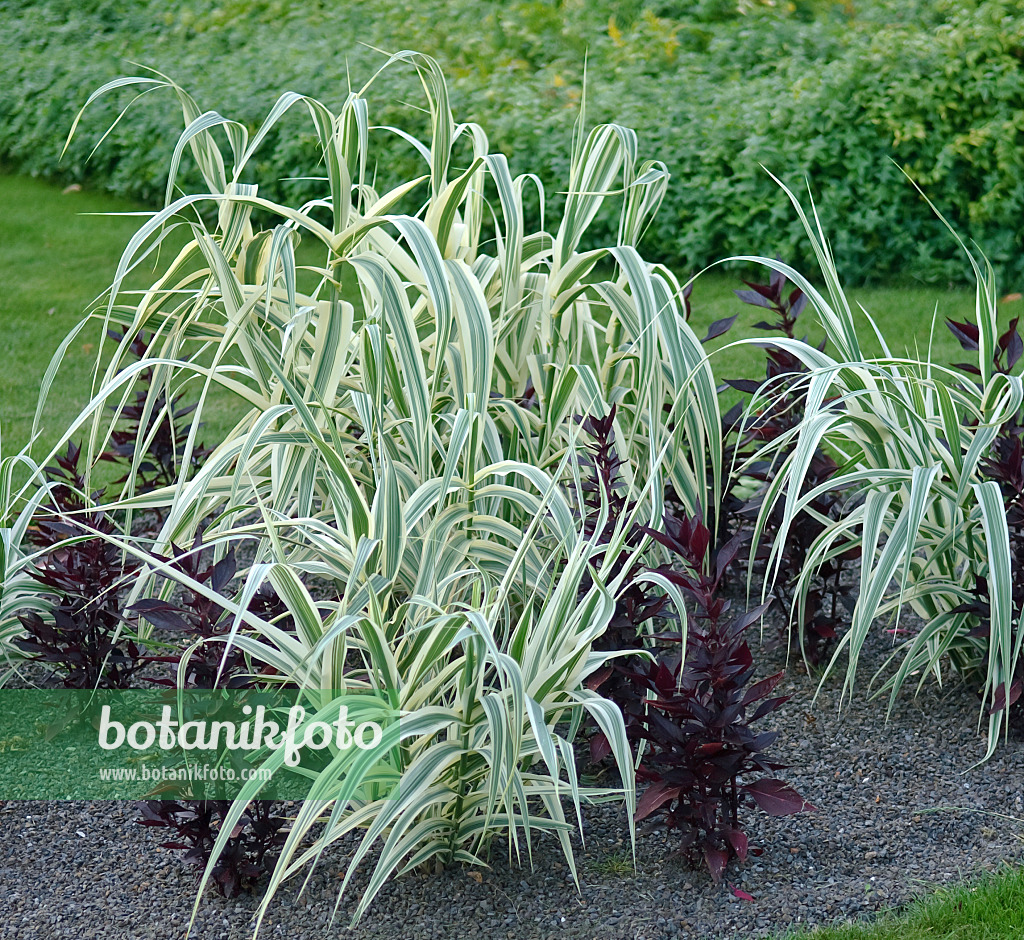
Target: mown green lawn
point(55, 259)
point(57, 256)
point(993, 909)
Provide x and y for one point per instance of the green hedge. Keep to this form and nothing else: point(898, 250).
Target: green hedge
point(842, 95)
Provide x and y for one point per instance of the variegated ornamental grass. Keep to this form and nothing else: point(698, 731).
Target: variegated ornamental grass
point(910, 437)
point(383, 445)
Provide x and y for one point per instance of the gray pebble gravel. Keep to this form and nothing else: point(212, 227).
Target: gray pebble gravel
point(900, 811)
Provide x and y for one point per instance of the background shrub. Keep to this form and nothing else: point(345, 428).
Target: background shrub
point(828, 91)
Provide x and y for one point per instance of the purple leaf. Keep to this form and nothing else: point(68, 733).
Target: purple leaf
point(752, 616)
point(744, 385)
point(159, 613)
point(966, 333)
point(223, 572)
point(733, 415)
point(1015, 346)
point(687, 308)
point(776, 798)
point(754, 298)
point(768, 706)
point(719, 327)
point(1000, 700)
point(726, 554)
point(600, 748)
point(742, 895)
point(760, 689)
point(738, 841)
point(717, 860)
point(710, 749)
point(657, 795)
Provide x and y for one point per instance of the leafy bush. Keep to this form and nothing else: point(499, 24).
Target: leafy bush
point(831, 92)
point(82, 632)
point(695, 719)
point(249, 850)
point(684, 693)
point(688, 702)
point(82, 637)
point(207, 662)
point(823, 608)
point(89, 643)
point(197, 619)
point(636, 605)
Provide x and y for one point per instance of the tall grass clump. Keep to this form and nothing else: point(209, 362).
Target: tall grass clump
point(409, 371)
point(922, 503)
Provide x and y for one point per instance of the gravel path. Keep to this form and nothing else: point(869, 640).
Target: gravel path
point(84, 870)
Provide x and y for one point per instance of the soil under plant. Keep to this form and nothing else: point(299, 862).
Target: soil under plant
point(901, 810)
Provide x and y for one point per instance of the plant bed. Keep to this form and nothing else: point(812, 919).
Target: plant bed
point(899, 812)
point(415, 439)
